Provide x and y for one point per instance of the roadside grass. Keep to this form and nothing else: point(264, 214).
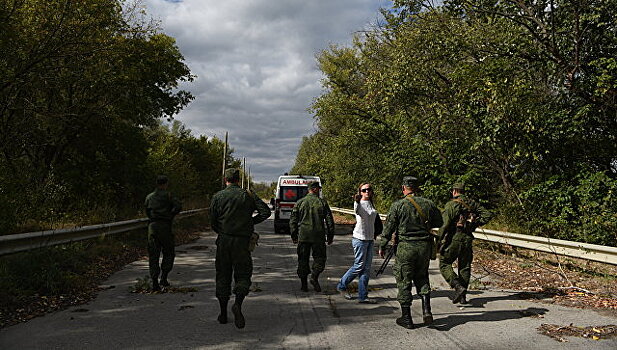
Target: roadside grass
point(48, 279)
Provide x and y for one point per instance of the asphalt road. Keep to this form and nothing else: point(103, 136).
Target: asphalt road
point(280, 316)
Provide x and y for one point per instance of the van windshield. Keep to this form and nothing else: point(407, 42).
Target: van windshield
point(292, 193)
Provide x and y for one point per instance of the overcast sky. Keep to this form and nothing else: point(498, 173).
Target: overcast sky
point(256, 68)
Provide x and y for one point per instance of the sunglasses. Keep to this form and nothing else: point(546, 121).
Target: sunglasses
point(366, 190)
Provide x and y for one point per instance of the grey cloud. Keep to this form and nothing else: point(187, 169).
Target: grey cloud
point(256, 69)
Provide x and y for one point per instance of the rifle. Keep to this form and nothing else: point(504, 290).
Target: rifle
point(386, 260)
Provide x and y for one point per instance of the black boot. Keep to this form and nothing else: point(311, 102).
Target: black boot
point(304, 284)
point(315, 282)
point(464, 298)
point(164, 282)
point(236, 308)
point(155, 285)
point(459, 291)
point(405, 319)
point(223, 305)
point(427, 316)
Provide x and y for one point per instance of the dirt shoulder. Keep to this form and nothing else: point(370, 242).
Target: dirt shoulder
point(546, 277)
point(108, 257)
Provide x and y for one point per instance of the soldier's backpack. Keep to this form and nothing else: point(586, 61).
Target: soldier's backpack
point(467, 220)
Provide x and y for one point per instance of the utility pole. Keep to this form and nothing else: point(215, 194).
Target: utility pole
point(243, 172)
point(249, 179)
point(224, 161)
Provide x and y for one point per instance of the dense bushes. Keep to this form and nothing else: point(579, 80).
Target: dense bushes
point(582, 208)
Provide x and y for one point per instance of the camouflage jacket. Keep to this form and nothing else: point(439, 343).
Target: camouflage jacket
point(231, 211)
point(455, 208)
point(161, 205)
point(311, 220)
point(404, 219)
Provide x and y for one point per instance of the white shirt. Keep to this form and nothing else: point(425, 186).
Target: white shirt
point(365, 220)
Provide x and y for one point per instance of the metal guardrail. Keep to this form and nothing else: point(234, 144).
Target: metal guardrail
point(571, 249)
point(20, 242)
point(351, 212)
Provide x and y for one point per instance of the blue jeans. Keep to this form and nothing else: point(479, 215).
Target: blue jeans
point(363, 252)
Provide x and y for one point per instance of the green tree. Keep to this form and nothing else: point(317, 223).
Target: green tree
point(79, 81)
point(504, 95)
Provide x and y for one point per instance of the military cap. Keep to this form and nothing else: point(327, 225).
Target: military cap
point(232, 174)
point(161, 179)
point(459, 186)
point(410, 181)
point(314, 184)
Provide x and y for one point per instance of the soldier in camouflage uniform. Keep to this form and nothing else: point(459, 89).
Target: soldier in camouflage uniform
point(411, 218)
point(461, 217)
point(231, 216)
point(311, 224)
point(161, 207)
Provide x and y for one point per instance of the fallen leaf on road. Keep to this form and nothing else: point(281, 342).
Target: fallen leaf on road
point(558, 332)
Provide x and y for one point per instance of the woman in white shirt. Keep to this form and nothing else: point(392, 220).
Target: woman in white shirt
point(362, 242)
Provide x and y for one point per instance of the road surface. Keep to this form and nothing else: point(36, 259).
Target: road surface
point(280, 316)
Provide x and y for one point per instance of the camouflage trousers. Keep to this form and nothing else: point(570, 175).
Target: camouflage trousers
point(319, 258)
point(160, 239)
point(461, 249)
point(233, 259)
point(411, 267)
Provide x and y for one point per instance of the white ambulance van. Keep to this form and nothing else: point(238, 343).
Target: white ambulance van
point(289, 189)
